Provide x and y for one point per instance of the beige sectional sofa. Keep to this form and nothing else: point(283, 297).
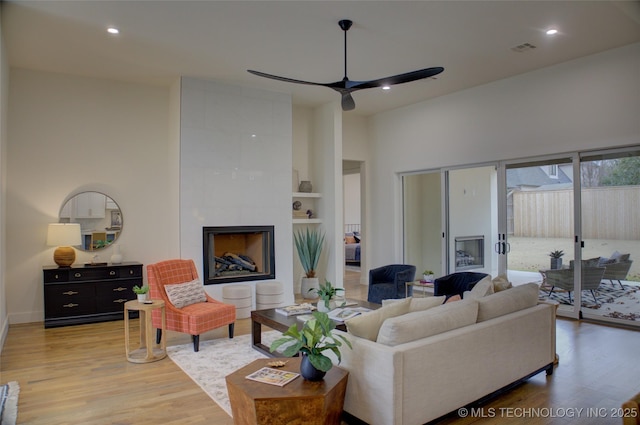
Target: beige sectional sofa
point(426, 363)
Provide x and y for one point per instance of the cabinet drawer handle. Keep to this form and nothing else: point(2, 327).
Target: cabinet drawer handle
point(70, 305)
point(120, 301)
point(131, 272)
point(78, 275)
point(112, 273)
point(69, 293)
point(119, 289)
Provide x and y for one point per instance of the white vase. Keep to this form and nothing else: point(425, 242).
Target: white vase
point(323, 308)
point(308, 287)
point(116, 257)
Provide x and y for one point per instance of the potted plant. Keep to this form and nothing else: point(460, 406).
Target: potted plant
point(427, 275)
point(556, 259)
point(309, 246)
point(314, 338)
point(142, 292)
point(326, 293)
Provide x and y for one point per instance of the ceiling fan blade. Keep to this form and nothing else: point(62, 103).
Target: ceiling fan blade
point(348, 104)
point(285, 79)
point(398, 79)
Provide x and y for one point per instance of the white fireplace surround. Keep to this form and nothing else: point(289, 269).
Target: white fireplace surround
point(235, 168)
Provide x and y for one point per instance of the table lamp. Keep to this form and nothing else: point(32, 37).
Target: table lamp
point(64, 235)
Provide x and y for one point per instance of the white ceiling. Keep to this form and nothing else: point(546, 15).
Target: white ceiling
point(220, 40)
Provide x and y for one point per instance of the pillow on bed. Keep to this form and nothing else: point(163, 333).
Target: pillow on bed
point(350, 239)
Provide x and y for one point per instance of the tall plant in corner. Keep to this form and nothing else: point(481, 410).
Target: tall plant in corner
point(309, 244)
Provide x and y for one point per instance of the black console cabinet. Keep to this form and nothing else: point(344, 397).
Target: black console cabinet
point(88, 294)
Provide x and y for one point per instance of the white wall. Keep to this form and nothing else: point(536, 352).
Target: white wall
point(69, 134)
point(4, 93)
point(587, 103)
point(235, 168)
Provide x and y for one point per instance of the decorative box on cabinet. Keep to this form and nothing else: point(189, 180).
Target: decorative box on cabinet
point(88, 294)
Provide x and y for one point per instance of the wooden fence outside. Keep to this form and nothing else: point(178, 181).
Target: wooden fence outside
point(611, 212)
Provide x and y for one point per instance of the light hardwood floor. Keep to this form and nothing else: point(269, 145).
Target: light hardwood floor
point(79, 375)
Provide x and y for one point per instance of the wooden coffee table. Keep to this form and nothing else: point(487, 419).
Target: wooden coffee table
point(300, 401)
point(280, 322)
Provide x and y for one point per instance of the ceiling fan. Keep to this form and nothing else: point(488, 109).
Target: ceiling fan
point(345, 86)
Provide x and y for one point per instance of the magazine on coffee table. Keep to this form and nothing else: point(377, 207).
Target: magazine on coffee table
point(295, 309)
point(342, 314)
point(272, 376)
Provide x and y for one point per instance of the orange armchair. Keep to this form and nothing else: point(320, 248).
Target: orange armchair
point(193, 319)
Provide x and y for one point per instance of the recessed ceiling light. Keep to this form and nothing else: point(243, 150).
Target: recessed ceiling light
point(552, 31)
point(113, 30)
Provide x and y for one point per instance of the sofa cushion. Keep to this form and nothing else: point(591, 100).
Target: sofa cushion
point(482, 288)
point(367, 325)
point(505, 302)
point(420, 303)
point(184, 294)
point(422, 324)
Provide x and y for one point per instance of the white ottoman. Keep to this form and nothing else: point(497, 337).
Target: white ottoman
point(269, 295)
point(241, 297)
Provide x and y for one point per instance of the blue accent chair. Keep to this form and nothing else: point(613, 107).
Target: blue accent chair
point(390, 282)
point(456, 283)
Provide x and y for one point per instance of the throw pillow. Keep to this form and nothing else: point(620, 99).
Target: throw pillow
point(453, 298)
point(184, 294)
point(368, 324)
point(482, 288)
point(500, 283)
point(350, 239)
point(623, 257)
point(402, 329)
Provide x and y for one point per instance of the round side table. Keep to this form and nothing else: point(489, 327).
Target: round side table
point(146, 353)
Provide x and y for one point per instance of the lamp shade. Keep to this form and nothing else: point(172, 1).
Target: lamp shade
point(64, 234)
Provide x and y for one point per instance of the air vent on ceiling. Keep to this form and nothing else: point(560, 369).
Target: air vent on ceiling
point(524, 47)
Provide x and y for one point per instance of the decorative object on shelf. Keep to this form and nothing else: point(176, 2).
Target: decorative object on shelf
point(305, 186)
point(142, 292)
point(116, 257)
point(64, 236)
point(326, 293)
point(297, 205)
point(314, 338)
point(556, 259)
point(309, 213)
point(309, 245)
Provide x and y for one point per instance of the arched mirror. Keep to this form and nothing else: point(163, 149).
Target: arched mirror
point(99, 217)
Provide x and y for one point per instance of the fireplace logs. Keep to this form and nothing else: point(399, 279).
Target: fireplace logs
point(231, 262)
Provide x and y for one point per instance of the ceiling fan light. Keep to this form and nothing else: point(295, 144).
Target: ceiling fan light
point(386, 87)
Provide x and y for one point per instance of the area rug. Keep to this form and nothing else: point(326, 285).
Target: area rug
point(9, 403)
point(216, 359)
point(612, 301)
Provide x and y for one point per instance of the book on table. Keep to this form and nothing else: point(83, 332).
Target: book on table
point(292, 310)
point(273, 376)
point(342, 314)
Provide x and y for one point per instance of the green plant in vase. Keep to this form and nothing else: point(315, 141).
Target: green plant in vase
point(309, 244)
point(556, 259)
point(311, 341)
point(326, 293)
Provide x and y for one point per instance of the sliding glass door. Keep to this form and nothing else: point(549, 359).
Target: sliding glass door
point(611, 233)
point(541, 228)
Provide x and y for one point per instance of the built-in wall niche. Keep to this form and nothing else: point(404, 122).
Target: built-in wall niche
point(238, 254)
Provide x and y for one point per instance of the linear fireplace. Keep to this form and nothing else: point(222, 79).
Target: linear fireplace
point(469, 252)
point(238, 254)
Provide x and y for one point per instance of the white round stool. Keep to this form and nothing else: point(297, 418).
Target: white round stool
point(241, 297)
point(269, 295)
